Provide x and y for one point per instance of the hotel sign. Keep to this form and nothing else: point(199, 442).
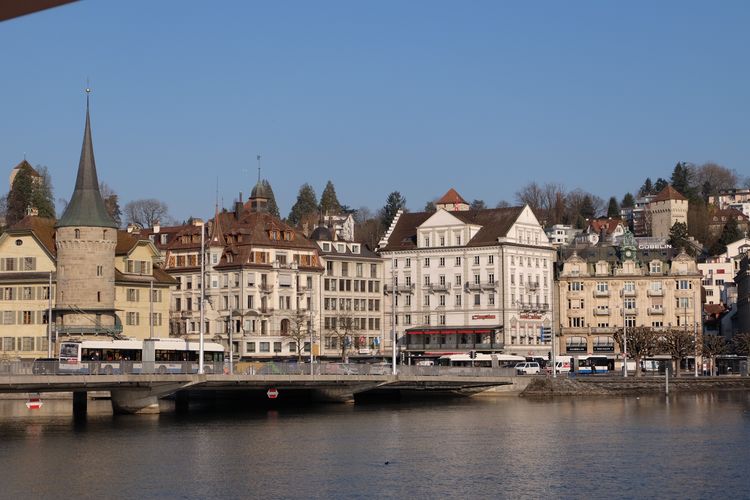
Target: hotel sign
point(483, 316)
point(661, 246)
point(531, 316)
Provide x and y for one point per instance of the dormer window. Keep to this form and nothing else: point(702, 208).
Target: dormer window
point(427, 241)
point(326, 247)
point(355, 248)
point(341, 248)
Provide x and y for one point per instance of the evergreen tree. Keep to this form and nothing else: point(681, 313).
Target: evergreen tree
point(305, 206)
point(678, 237)
point(273, 208)
point(681, 179)
point(393, 204)
point(329, 203)
point(430, 207)
point(628, 201)
point(613, 210)
point(587, 210)
point(20, 196)
point(42, 198)
point(111, 202)
point(647, 188)
point(660, 184)
point(730, 233)
point(478, 205)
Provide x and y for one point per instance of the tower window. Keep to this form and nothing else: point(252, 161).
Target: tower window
point(104, 234)
point(78, 234)
point(98, 296)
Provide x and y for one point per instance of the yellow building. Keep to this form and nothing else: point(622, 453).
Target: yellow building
point(28, 262)
point(602, 287)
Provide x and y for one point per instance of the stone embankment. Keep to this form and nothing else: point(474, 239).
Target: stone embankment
point(615, 386)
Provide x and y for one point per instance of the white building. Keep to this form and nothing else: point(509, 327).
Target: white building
point(561, 234)
point(468, 280)
point(733, 198)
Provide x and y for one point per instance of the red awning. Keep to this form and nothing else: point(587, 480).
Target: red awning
point(449, 332)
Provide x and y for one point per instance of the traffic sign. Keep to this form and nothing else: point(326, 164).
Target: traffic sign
point(272, 393)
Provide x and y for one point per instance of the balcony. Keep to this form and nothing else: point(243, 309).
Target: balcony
point(656, 310)
point(489, 285)
point(266, 310)
point(530, 306)
point(601, 293)
point(266, 288)
point(655, 293)
point(601, 311)
point(473, 286)
point(436, 287)
point(631, 311)
point(301, 290)
point(398, 289)
point(628, 293)
point(532, 285)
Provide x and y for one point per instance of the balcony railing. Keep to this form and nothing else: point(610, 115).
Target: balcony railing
point(489, 285)
point(656, 310)
point(266, 288)
point(632, 311)
point(437, 287)
point(532, 285)
point(601, 311)
point(655, 293)
point(601, 293)
point(628, 293)
point(399, 289)
point(530, 306)
point(473, 286)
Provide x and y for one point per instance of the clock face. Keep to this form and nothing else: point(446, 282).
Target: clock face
point(628, 253)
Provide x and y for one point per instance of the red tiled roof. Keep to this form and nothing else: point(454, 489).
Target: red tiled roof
point(42, 227)
point(451, 198)
point(668, 193)
point(596, 225)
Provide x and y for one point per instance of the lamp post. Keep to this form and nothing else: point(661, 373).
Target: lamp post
point(49, 317)
point(393, 318)
point(695, 333)
point(312, 334)
point(199, 223)
point(624, 338)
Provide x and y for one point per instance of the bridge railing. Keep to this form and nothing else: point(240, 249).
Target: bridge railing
point(52, 367)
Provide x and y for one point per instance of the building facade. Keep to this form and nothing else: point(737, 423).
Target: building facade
point(461, 280)
point(742, 279)
point(351, 295)
point(732, 198)
point(261, 280)
point(602, 288)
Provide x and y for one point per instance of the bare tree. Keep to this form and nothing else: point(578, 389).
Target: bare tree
point(713, 345)
point(298, 329)
point(710, 178)
point(146, 212)
point(679, 344)
point(554, 202)
point(642, 342)
point(741, 344)
point(532, 195)
point(342, 329)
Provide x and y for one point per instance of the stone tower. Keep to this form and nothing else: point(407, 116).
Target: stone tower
point(86, 237)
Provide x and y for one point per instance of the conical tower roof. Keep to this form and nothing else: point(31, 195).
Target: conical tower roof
point(86, 206)
point(217, 235)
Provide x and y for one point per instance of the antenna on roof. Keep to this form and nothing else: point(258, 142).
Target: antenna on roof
point(258, 168)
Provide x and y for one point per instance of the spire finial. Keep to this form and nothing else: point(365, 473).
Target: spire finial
point(88, 91)
point(258, 168)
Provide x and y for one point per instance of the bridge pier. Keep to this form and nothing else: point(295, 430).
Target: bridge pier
point(333, 395)
point(139, 401)
point(80, 404)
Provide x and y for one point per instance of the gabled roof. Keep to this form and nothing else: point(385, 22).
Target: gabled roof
point(217, 234)
point(668, 193)
point(495, 223)
point(596, 225)
point(86, 206)
point(43, 228)
point(25, 164)
point(451, 197)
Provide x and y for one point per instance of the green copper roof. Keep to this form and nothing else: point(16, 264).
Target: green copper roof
point(86, 207)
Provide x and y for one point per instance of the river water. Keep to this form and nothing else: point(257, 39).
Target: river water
point(686, 446)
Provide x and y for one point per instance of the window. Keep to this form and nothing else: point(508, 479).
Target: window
point(427, 262)
point(265, 347)
point(491, 277)
point(442, 300)
point(490, 259)
point(458, 281)
point(99, 270)
point(575, 286)
point(132, 319)
point(277, 347)
point(407, 262)
point(442, 241)
point(477, 299)
point(373, 271)
point(28, 317)
point(426, 301)
point(602, 286)
point(476, 260)
point(476, 279)
point(629, 303)
point(78, 234)
point(630, 321)
point(655, 267)
point(458, 300)
point(132, 294)
point(426, 241)
point(491, 299)
point(29, 263)
point(684, 285)
point(458, 239)
point(458, 261)
point(575, 322)
point(250, 346)
point(441, 262)
point(629, 286)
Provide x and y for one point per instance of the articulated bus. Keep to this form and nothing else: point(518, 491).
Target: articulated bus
point(139, 356)
point(593, 364)
point(481, 360)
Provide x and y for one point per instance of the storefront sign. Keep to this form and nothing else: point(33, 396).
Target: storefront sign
point(483, 316)
point(531, 316)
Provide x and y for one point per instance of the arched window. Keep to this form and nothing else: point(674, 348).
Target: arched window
point(78, 234)
point(284, 326)
point(104, 234)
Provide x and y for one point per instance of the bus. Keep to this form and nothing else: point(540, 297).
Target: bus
point(481, 360)
point(593, 364)
point(138, 356)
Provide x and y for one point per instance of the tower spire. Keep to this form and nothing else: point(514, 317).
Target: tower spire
point(86, 207)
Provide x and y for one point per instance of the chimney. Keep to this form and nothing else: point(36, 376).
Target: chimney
point(238, 207)
point(157, 227)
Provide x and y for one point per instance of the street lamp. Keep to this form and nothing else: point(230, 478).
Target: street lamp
point(199, 223)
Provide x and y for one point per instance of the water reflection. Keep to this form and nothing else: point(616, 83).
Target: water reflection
point(681, 446)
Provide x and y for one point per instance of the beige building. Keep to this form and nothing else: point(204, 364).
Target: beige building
point(29, 261)
point(351, 295)
point(600, 288)
point(261, 282)
point(665, 209)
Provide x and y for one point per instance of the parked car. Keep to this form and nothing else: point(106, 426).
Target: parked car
point(528, 368)
point(562, 367)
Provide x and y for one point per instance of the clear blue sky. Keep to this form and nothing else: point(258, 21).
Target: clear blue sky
point(414, 96)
